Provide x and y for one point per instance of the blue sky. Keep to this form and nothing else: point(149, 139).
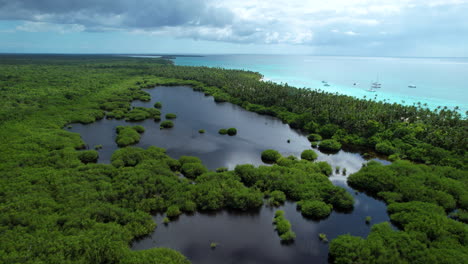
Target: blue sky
point(323, 27)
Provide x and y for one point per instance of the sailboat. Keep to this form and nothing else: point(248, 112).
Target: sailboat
point(376, 84)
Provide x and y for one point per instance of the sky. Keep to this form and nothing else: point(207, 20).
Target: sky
point(418, 28)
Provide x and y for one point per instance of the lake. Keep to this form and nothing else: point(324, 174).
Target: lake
point(243, 237)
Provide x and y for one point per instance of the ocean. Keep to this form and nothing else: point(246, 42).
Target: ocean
point(439, 81)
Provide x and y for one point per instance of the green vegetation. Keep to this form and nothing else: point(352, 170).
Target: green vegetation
point(171, 116)
point(222, 169)
point(59, 208)
point(166, 124)
point(141, 113)
point(330, 145)
point(88, 156)
point(270, 156)
point(277, 198)
point(231, 131)
point(128, 135)
point(173, 211)
point(314, 137)
point(97, 147)
point(213, 245)
point(323, 237)
point(201, 131)
point(420, 198)
point(315, 209)
point(158, 105)
point(309, 155)
point(368, 219)
point(283, 227)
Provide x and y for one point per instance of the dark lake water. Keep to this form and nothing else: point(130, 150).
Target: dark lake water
point(243, 237)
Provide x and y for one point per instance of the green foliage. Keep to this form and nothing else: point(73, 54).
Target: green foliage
point(222, 131)
point(189, 159)
point(201, 131)
point(193, 170)
point(128, 135)
point(222, 169)
point(231, 131)
point(314, 137)
point(385, 148)
point(277, 198)
point(419, 198)
point(270, 156)
point(55, 209)
point(330, 145)
point(309, 155)
point(166, 124)
point(283, 227)
point(323, 237)
point(315, 209)
point(173, 211)
point(88, 156)
point(171, 116)
point(158, 105)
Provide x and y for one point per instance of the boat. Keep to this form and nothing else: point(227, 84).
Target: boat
point(371, 90)
point(326, 84)
point(324, 81)
point(411, 86)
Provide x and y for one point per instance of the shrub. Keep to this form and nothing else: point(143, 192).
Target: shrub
point(171, 116)
point(232, 131)
point(222, 131)
point(158, 105)
point(193, 170)
point(288, 236)
point(128, 135)
point(189, 159)
point(325, 168)
point(277, 198)
point(315, 209)
point(98, 147)
point(173, 211)
point(201, 131)
point(270, 156)
point(385, 148)
point(314, 137)
point(88, 156)
point(309, 155)
point(330, 144)
point(139, 129)
point(166, 124)
point(221, 169)
point(314, 144)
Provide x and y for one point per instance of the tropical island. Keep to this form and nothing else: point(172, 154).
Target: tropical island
point(60, 204)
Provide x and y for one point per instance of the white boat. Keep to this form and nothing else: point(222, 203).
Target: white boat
point(371, 90)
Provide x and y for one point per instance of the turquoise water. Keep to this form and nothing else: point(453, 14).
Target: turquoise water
point(438, 81)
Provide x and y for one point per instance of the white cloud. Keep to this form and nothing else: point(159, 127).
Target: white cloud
point(315, 23)
point(49, 27)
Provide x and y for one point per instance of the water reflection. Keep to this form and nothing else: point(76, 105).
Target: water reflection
point(242, 237)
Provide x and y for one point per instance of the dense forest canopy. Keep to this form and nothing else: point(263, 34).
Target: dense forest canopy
point(58, 206)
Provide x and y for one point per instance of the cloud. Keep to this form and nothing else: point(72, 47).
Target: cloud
point(48, 27)
point(351, 24)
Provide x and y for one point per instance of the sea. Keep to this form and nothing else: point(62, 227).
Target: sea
point(437, 81)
